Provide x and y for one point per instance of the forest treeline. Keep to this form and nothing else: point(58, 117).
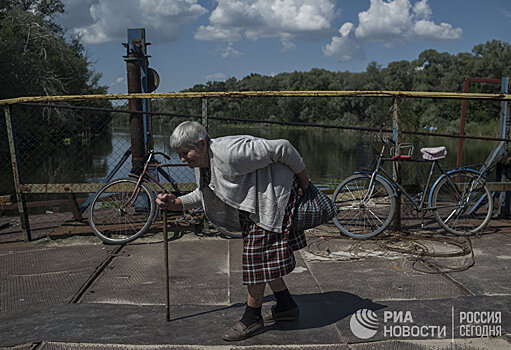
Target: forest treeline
point(431, 71)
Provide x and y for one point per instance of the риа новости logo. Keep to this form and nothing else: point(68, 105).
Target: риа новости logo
point(364, 323)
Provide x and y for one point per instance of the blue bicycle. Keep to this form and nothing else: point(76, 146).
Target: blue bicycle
point(367, 201)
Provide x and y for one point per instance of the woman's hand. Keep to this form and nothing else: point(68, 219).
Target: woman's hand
point(167, 201)
point(303, 180)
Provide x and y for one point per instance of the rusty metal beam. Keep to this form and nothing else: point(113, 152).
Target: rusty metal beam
point(20, 198)
point(136, 120)
point(499, 186)
point(91, 187)
point(247, 94)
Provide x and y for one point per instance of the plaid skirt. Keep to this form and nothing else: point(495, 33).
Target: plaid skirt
point(269, 255)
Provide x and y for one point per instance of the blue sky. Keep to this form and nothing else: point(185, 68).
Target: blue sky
point(194, 41)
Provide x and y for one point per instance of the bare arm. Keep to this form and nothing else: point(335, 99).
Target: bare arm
point(303, 179)
point(167, 201)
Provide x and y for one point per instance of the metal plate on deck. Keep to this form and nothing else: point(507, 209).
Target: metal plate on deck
point(198, 275)
point(492, 268)
point(47, 276)
point(379, 279)
point(76, 346)
point(81, 346)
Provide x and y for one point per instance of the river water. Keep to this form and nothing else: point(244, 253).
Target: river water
point(329, 154)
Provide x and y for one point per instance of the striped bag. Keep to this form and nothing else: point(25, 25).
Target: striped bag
point(312, 209)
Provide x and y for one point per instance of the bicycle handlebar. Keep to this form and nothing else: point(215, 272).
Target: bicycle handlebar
point(153, 153)
point(162, 154)
point(385, 139)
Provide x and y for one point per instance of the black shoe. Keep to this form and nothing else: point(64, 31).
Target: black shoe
point(239, 331)
point(270, 316)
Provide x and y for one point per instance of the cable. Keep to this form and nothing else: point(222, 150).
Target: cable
point(418, 248)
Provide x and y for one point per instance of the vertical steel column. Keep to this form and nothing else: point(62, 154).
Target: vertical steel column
point(20, 198)
point(205, 121)
point(505, 197)
point(462, 125)
point(396, 133)
point(464, 112)
point(133, 69)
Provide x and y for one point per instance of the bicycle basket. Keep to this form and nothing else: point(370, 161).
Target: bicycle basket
point(366, 158)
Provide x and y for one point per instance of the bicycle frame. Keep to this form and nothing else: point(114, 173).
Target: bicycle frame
point(145, 172)
point(419, 205)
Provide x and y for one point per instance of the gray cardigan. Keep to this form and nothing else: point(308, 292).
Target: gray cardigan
point(250, 174)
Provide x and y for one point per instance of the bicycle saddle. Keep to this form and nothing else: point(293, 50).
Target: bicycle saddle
point(434, 153)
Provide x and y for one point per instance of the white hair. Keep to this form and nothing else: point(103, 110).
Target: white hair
point(187, 135)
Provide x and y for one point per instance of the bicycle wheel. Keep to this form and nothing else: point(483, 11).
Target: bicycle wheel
point(118, 214)
point(364, 212)
point(464, 203)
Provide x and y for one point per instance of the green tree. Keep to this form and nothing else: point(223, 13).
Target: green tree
point(38, 60)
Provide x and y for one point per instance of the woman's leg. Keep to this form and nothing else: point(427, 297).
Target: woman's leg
point(256, 294)
point(252, 322)
point(285, 309)
point(277, 285)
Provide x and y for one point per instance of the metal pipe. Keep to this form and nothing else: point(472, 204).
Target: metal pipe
point(246, 94)
point(462, 125)
point(396, 130)
point(166, 259)
point(205, 122)
point(136, 120)
point(16, 171)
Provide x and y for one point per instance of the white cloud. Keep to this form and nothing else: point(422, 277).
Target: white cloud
point(232, 20)
point(215, 77)
point(287, 45)
point(344, 47)
point(384, 20)
point(229, 51)
point(507, 14)
point(389, 22)
point(429, 30)
point(100, 21)
point(117, 81)
point(422, 9)
point(393, 21)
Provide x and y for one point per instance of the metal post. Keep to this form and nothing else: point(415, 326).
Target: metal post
point(205, 121)
point(462, 125)
point(20, 198)
point(464, 112)
point(166, 258)
point(505, 197)
point(75, 208)
point(396, 121)
point(133, 69)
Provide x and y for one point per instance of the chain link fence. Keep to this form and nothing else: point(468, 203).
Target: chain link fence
point(65, 152)
point(63, 156)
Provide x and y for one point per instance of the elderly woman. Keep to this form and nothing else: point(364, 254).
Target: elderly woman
point(250, 185)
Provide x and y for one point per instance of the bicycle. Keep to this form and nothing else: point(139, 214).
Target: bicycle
point(124, 209)
point(459, 198)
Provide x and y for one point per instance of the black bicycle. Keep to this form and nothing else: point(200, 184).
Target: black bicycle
point(459, 198)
